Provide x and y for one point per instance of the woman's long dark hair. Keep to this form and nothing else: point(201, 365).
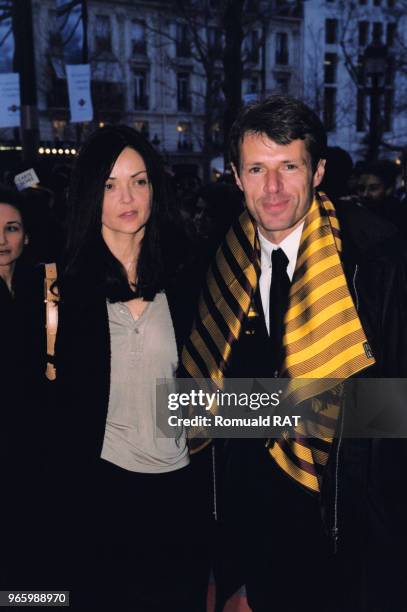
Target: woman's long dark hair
point(87, 256)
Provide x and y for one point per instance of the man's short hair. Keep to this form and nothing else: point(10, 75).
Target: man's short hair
point(282, 119)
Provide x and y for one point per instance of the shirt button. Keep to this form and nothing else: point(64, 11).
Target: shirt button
point(136, 331)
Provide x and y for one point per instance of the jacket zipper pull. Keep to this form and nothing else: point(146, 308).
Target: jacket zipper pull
point(335, 537)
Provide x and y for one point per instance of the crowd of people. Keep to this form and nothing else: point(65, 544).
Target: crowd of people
point(294, 265)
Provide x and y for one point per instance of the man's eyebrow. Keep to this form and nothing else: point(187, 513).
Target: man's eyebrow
point(283, 161)
point(18, 222)
point(113, 178)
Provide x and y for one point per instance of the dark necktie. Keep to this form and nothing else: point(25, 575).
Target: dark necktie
point(279, 291)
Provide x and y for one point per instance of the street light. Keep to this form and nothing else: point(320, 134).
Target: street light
point(375, 62)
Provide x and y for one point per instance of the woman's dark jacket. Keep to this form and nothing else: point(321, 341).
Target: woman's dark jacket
point(25, 405)
point(83, 366)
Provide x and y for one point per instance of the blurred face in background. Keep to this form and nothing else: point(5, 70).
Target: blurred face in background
point(12, 235)
point(371, 188)
point(127, 197)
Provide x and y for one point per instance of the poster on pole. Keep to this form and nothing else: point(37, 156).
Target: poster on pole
point(10, 104)
point(80, 100)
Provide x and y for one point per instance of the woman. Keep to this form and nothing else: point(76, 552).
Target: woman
point(24, 401)
point(132, 494)
point(13, 236)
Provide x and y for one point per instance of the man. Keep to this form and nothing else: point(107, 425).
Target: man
point(297, 291)
point(376, 186)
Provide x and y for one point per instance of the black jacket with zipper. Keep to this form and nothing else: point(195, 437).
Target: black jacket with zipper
point(362, 499)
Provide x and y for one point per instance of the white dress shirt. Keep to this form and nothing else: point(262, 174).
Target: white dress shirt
point(290, 246)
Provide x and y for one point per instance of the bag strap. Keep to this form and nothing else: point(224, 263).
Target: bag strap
point(51, 317)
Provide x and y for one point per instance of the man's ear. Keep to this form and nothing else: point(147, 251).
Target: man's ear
point(319, 173)
point(236, 175)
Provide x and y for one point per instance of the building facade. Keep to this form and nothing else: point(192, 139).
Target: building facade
point(354, 74)
point(161, 71)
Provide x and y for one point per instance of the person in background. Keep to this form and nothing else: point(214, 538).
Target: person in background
point(375, 184)
point(133, 495)
point(338, 170)
point(24, 402)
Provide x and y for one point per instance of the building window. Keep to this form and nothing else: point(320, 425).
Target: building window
point(103, 35)
point(140, 90)
point(377, 31)
point(108, 96)
point(253, 85)
point(182, 41)
point(390, 72)
point(330, 108)
point(362, 1)
point(331, 31)
point(377, 2)
point(251, 46)
point(330, 65)
point(183, 94)
point(391, 34)
point(282, 48)
point(363, 33)
point(215, 42)
point(388, 110)
point(138, 38)
point(390, 3)
point(360, 110)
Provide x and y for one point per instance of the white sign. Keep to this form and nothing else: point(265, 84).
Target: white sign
point(9, 100)
point(80, 100)
point(26, 179)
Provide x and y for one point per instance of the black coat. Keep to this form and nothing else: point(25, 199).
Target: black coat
point(363, 500)
point(25, 405)
point(364, 483)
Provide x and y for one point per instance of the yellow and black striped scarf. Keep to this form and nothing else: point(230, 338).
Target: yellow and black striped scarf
point(324, 340)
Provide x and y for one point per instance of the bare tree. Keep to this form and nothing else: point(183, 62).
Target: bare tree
point(79, 10)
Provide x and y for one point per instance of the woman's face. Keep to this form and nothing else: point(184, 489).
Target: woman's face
point(127, 198)
point(12, 234)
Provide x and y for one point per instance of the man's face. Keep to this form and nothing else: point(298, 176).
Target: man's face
point(278, 183)
point(371, 188)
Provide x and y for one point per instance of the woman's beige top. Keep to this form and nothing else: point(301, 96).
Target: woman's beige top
point(142, 351)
